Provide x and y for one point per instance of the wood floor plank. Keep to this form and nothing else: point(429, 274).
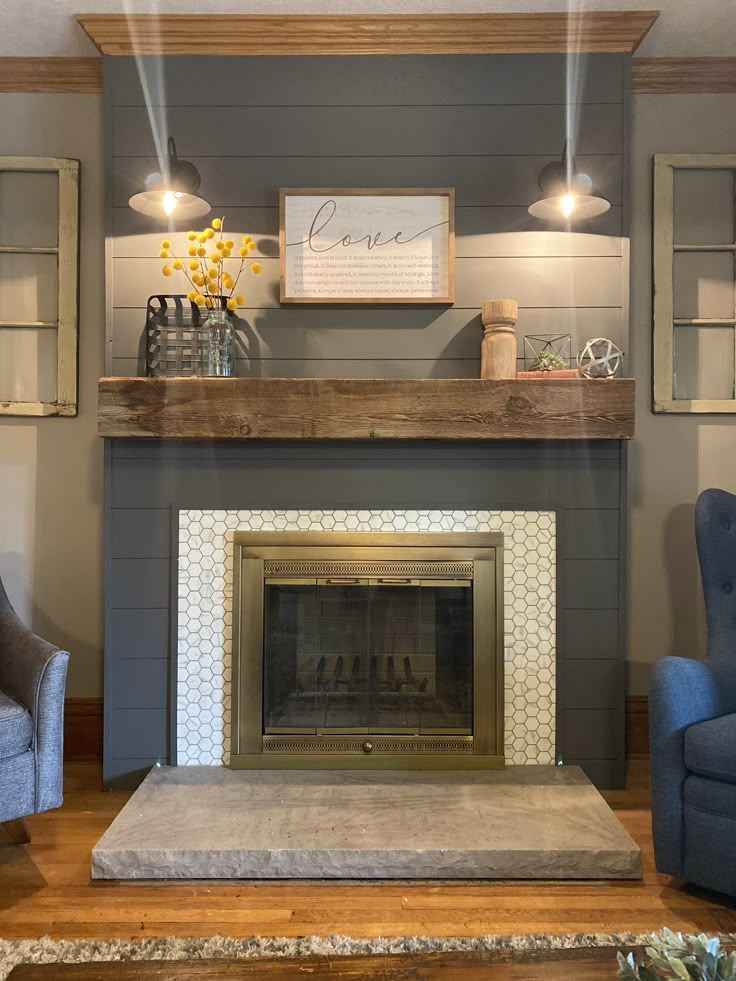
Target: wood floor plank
point(45, 888)
point(592, 964)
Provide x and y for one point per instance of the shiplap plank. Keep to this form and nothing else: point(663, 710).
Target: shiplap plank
point(140, 684)
point(379, 80)
point(265, 131)
point(489, 232)
point(229, 182)
point(373, 334)
point(580, 281)
point(139, 633)
point(366, 479)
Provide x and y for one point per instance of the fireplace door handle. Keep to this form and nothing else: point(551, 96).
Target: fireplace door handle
point(339, 582)
point(396, 581)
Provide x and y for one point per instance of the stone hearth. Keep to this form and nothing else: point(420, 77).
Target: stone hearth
point(525, 822)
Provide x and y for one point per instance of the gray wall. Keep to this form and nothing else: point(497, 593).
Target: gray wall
point(484, 125)
point(584, 482)
point(674, 457)
point(51, 469)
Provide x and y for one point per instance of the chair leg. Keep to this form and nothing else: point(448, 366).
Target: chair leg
point(18, 831)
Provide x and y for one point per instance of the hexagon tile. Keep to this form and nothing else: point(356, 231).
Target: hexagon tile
point(205, 616)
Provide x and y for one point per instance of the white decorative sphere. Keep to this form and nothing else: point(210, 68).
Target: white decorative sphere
point(600, 358)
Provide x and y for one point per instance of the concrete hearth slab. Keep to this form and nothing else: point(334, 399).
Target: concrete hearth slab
point(525, 822)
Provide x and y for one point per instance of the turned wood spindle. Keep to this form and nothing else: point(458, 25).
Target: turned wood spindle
point(498, 348)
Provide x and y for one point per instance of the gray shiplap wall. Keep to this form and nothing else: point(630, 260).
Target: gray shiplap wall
point(484, 125)
point(148, 481)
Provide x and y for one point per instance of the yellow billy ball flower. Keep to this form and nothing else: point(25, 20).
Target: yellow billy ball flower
point(192, 296)
point(166, 244)
point(229, 244)
point(240, 299)
point(167, 270)
point(200, 300)
point(255, 267)
point(212, 287)
point(232, 304)
point(201, 237)
point(246, 239)
point(192, 250)
point(220, 245)
point(212, 272)
point(177, 264)
point(228, 283)
point(209, 232)
point(216, 223)
point(242, 252)
point(163, 254)
point(226, 253)
point(215, 257)
point(192, 236)
point(193, 264)
point(201, 252)
point(198, 279)
point(251, 246)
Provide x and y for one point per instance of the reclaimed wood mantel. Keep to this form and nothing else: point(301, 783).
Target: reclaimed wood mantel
point(370, 408)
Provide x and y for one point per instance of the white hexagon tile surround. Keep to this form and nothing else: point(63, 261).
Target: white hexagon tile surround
point(205, 632)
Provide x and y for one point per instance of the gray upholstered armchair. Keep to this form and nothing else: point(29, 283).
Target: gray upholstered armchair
point(32, 681)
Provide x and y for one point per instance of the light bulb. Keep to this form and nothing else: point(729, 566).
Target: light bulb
point(168, 201)
point(567, 203)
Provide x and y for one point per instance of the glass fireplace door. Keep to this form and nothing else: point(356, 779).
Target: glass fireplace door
point(368, 654)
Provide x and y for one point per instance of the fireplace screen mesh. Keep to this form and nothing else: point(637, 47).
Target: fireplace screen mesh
point(368, 654)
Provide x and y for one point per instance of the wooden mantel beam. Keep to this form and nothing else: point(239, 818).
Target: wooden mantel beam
point(369, 34)
point(368, 408)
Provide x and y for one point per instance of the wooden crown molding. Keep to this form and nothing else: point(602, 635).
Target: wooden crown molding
point(652, 76)
point(374, 34)
point(50, 74)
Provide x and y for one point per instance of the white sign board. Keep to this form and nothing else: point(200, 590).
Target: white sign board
point(355, 245)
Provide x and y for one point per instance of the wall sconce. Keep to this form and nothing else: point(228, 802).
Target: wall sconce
point(567, 194)
point(172, 193)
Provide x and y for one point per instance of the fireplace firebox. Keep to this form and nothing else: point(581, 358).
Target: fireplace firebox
point(367, 650)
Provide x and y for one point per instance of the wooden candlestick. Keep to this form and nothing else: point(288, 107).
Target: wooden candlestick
point(498, 348)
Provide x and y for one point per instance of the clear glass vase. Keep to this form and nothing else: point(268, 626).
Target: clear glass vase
point(218, 356)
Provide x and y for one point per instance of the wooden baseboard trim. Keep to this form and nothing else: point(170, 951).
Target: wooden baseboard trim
point(637, 726)
point(82, 730)
point(50, 74)
point(668, 76)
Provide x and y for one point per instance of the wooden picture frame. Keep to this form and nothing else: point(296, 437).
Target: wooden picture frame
point(401, 242)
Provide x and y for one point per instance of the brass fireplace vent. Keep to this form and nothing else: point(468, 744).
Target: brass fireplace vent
point(362, 569)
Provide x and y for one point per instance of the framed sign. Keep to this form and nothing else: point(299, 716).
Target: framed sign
point(367, 245)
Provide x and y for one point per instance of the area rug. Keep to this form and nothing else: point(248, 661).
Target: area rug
point(47, 951)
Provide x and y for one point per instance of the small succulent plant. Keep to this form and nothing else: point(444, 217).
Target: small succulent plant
point(548, 361)
point(670, 955)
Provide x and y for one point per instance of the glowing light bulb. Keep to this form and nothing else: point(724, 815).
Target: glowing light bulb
point(168, 201)
point(567, 203)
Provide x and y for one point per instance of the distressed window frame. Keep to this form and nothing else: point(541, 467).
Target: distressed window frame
point(67, 316)
point(664, 249)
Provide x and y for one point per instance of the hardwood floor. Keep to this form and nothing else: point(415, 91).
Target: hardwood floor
point(45, 889)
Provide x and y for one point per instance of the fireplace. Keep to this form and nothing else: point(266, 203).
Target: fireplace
point(367, 650)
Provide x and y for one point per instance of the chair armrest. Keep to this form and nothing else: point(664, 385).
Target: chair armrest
point(682, 692)
point(33, 672)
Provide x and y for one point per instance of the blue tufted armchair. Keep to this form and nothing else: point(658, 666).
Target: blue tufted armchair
point(32, 681)
point(692, 721)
